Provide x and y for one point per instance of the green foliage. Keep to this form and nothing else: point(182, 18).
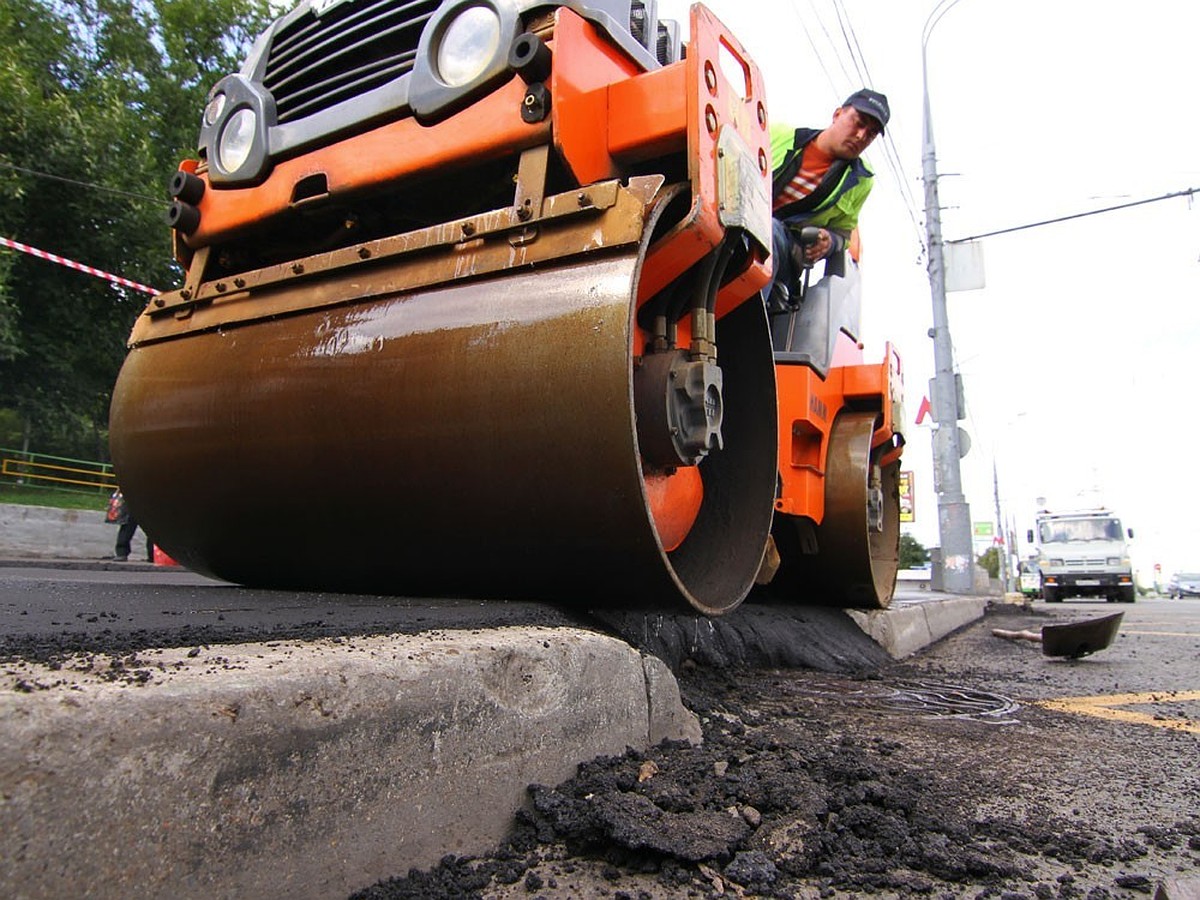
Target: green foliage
point(24, 495)
point(912, 552)
point(10, 428)
point(106, 96)
point(990, 560)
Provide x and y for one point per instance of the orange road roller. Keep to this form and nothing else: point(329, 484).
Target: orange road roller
point(472, 308)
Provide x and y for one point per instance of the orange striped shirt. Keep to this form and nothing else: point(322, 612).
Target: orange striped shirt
point(813, 166)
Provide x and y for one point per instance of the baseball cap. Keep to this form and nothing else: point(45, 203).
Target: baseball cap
point(872, 103)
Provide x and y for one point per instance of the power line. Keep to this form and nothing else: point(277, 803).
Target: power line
point(159, 201)
point(856, 54)
point(890, 154)
point(832, 43)
point(1093, 212)
point(816, 52)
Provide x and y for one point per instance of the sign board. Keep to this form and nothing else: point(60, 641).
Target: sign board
point(964, 266)
point(983, 529)
point(908, 511)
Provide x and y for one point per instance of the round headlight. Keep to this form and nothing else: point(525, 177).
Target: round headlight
point(237, 138)
point(213, 111)
point(468, 44)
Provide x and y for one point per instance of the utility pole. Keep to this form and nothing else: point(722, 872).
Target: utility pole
point(954, 516)
point(1000, 529)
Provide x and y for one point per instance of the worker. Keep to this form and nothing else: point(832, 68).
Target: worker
point(819, 179)
point(118, 514)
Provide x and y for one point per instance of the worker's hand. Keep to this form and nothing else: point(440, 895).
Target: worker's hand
point(820, 249)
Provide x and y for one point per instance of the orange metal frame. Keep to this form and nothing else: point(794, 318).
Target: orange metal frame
point(606, 116)
point(604, 119)
point(808, 407)
point(486, 130)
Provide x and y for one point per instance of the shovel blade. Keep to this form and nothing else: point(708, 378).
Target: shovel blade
point(1076, 639)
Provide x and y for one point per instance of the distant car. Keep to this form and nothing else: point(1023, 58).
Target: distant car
point(1030, 582)
point(1184, 584)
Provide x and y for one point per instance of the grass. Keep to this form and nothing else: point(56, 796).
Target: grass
point(59, 499)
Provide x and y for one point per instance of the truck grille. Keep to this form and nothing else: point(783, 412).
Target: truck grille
point(357, 46)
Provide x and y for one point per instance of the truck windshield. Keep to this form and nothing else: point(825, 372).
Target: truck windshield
point(1062, 530)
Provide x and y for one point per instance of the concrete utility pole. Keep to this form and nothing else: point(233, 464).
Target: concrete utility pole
point(954, 516)
point(1003, 545)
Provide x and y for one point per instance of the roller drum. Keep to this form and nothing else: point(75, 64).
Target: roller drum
point(474, 439)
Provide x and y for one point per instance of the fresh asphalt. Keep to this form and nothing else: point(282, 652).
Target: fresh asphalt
point(50, 608)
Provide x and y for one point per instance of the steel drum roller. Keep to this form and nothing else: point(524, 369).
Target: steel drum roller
point(477, 438)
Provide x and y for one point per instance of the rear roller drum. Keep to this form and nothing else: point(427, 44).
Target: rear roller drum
point(851, 558)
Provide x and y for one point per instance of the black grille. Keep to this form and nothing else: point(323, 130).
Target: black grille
point(317, 62)
point(637, 20)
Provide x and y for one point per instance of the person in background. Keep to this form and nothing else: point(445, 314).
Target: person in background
point(819, 179)
point(118, 514)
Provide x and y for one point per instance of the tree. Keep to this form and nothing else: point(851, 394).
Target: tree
point(913, 554)
point(99, 100)
point(990, 560)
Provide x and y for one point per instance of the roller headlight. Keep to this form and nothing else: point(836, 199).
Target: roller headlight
point(237, 140)
point(468, 45)
point(213, 111)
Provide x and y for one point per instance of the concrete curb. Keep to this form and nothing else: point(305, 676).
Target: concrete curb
point(42, 532)
point(306, 769)
point(904, 629)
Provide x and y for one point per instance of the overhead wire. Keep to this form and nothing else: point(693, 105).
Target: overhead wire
point(856, 54)
point(832, 43)
point(159, 201)
point(1187, 192)
point(803, 22)
point(890, 154)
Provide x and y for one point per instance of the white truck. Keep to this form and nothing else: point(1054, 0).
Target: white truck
point(1083, 554)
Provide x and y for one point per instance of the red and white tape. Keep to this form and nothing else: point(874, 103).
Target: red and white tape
point(71, 264)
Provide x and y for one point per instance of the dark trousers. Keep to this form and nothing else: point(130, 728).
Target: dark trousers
point(125, 541)
point(779, 295)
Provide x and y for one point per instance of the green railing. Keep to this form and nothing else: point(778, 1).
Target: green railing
point(37, 470)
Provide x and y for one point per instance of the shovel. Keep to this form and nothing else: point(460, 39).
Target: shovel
point(1072, 639)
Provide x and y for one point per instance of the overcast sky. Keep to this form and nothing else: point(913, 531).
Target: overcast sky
point(1079, 357)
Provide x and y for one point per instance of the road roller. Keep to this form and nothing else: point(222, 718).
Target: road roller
point(471, 306)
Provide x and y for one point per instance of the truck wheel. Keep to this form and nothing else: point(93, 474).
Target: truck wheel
point(1128, 593)
point(1051, 594)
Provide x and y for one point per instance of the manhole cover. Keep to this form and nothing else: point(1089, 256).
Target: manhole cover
point(930, 699)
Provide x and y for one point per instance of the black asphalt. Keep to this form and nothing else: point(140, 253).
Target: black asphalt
point(51, 609)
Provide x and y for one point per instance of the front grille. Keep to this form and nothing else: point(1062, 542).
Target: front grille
point(317, 62)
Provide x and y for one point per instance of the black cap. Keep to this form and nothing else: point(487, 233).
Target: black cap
point(873, 103)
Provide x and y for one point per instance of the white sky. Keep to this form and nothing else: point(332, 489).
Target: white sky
point(1077, 357)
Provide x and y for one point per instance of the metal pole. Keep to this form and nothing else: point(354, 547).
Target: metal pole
point(1003, 546)
point(954, 516)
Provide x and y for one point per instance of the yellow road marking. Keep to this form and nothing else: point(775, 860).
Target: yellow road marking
point(1108, 707)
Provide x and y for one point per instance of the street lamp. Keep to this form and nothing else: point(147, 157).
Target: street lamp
point(954, 516)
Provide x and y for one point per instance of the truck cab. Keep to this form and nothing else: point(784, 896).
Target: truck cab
point(1083, 554)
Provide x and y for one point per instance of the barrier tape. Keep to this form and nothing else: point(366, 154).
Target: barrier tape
point(71, 264)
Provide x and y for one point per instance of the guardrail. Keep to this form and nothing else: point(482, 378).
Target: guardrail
point(59, 472)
